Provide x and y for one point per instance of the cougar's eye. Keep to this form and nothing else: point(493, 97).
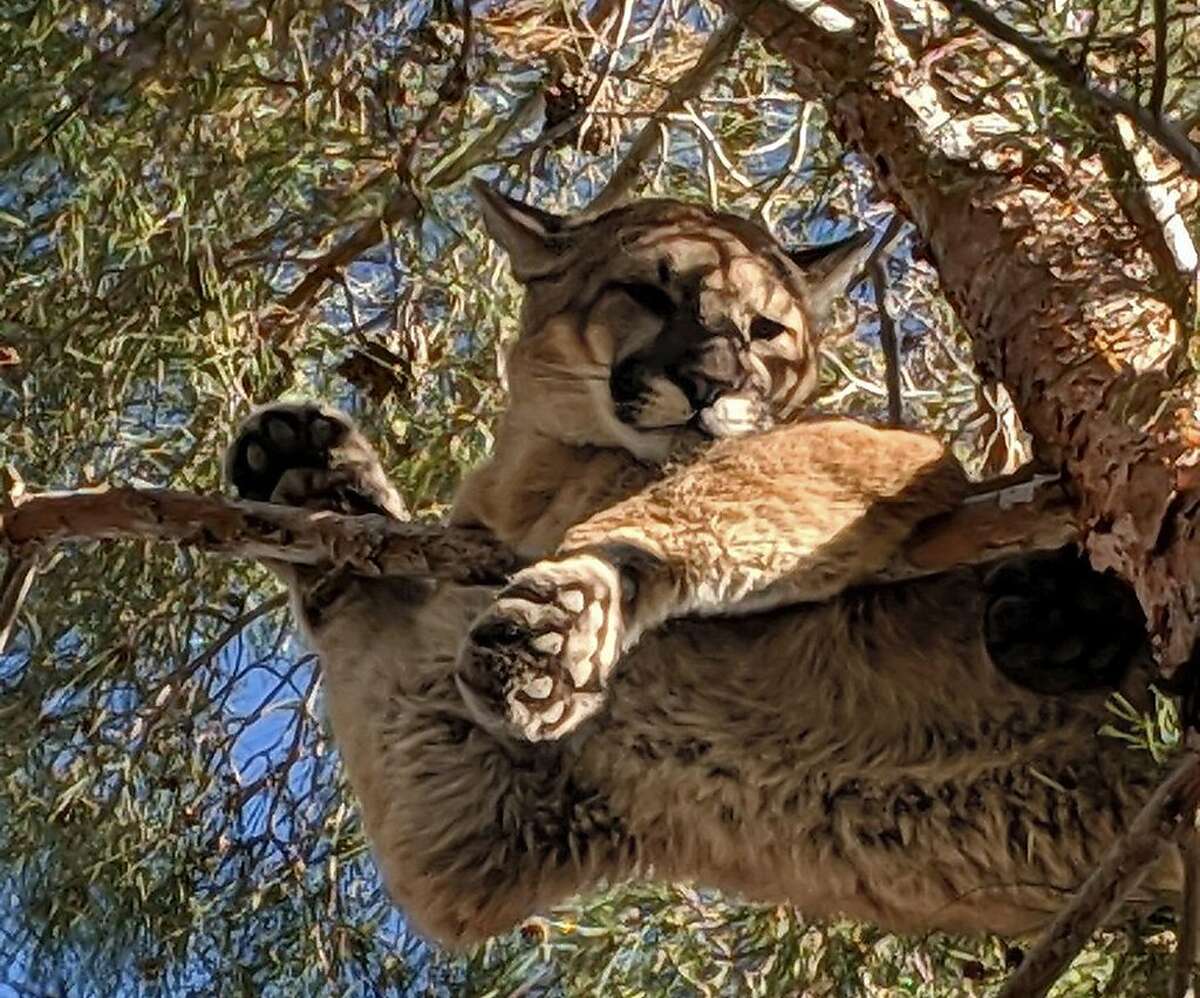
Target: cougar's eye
point(650, 297)
point(763, 328)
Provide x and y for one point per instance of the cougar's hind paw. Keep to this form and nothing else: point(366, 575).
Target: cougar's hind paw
point(541, 656)
point(1055, 625)
point(305, 454)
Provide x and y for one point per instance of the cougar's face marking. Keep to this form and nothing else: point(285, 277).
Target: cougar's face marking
point(732, 312)
point(685, 314)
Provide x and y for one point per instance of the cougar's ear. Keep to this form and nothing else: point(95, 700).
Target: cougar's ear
point(832, 269)
point(528, 235)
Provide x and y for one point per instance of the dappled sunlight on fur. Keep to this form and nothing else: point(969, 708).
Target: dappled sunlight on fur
point(851, 749)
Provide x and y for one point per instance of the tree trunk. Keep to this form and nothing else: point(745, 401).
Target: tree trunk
point(1065, 319)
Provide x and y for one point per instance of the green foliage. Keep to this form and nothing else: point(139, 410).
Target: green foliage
point(206, 205)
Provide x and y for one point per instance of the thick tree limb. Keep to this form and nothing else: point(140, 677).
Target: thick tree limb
point(1078, 347)
point(1126, 182)
point(1001, 519)
point(1166, 815)
point(1076, 344)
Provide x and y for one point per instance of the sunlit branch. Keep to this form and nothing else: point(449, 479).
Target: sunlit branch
point(1129, 189)
point(1158, 126)
point(371, 545)
point(1004, 517)
point(1165, 815)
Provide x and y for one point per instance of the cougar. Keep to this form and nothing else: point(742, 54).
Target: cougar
point(693, 678)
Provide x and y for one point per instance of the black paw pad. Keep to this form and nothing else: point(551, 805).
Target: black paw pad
point(1055, 625)
point(278, 440)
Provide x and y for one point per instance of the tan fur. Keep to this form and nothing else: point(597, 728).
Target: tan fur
point(814, 509)
point(859, 755)
point(546, 473)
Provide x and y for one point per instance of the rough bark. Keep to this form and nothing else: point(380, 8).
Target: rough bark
point(371, 545)
point(1061, 320)
point(1001, 518)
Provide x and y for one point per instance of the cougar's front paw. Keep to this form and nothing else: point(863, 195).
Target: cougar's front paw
point(305, 454)
point(541, 656)
point(736, 416)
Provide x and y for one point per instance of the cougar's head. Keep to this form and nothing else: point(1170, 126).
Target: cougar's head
point(666, 314)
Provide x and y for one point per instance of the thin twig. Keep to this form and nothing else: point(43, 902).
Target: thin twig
point(1164, 130)
point(1158, 88)
point(720, 46)
point(402, 203)
point(610, 64)
point(133, 51)
point(14, 587)
point(888, 341)
point(1165, 816)
point(173, 684)
point(1187, 946)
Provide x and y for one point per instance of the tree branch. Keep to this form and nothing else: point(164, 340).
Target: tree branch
point(370, 545)
point(1187, 929)
point(1128, 186)
point(718, 50)
point(14, 587)
point(1002, 518)
point(1079, 349)
point(1158, 88)
point(888, 341)
point(1164, 130)
point(1166, 815)
point(402, 204)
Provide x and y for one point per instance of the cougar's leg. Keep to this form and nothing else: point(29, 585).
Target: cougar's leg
point(794, 515)
point(1054, 625)
point(309, 455)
